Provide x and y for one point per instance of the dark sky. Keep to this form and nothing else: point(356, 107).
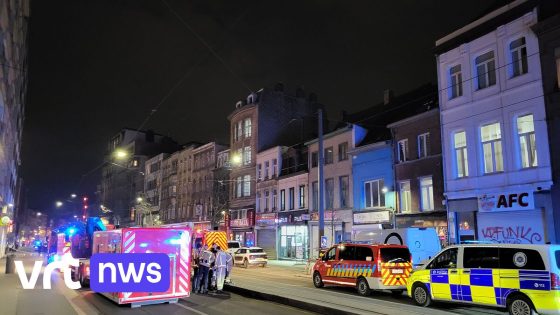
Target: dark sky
point(97, 66)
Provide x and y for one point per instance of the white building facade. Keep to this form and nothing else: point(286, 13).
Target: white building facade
point(494, 134)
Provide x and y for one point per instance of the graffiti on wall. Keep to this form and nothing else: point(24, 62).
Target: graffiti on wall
point(514, 234)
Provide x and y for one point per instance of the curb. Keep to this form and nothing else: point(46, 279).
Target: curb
point(312, 307)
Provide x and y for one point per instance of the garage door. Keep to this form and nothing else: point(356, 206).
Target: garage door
point(514, 227)
point(267, 240)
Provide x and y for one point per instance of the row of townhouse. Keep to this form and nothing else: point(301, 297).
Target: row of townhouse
point(472, 158)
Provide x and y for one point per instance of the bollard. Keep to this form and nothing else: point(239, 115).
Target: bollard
point(10, 263)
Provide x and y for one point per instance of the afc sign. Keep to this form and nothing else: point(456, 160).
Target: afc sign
point(512, 201)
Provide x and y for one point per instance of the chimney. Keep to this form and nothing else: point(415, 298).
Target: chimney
point(387, 96)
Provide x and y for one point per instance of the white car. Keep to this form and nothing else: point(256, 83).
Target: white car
point(246, 256)
point(233, 246)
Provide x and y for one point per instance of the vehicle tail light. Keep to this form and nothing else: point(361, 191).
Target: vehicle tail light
point(87, 270)
point(554, 281)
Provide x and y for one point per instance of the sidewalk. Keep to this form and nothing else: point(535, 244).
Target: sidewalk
point(286, 283)
point(57, 301)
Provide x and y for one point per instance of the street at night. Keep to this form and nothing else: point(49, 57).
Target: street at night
point(219, 157)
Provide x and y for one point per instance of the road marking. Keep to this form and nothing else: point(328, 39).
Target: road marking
point(190, 308)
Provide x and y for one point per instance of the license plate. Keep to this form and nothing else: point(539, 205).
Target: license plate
point(397, 271)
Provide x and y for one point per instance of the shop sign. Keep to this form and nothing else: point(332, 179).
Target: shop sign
point(328, 216)
point(512, 201)
point(264, 219)
point(293, 216)
point(245, 222)
point(374, 217)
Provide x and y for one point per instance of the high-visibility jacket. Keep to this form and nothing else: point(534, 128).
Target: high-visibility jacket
point(222, 259)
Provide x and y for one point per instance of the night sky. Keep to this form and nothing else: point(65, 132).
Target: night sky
point(98, 66)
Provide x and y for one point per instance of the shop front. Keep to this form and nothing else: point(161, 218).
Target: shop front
point(338, 228)
point(365, 222)
point(242, 223)
point(514, 217)
point(265, 228)
point(293, 234)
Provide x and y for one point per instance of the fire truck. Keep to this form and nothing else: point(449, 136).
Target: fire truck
point(202, 237)
point(73, 239)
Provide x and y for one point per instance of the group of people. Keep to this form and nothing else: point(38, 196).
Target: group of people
point(210, 263)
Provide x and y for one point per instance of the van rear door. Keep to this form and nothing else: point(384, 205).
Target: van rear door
point(395, 265)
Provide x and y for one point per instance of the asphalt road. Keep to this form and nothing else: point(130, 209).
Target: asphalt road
point(273, 274)
point(212, 304)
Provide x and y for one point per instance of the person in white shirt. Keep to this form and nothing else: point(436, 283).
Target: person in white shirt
point(223, 260)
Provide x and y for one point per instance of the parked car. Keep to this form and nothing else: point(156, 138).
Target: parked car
point(522, 278)
point(233, 246)
point(247, 256)
point(364, 266)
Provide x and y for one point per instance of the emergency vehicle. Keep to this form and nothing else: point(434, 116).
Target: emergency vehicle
point(203, 237)
point(522, 278)
point(364, 266)
point(175, 242)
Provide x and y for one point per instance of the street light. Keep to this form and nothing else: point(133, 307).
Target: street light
point(73, 196)
point(139, 199)
point(39, 214)
point(58, 204)
point(236, 159)
point(120, 154)
point(384, 190)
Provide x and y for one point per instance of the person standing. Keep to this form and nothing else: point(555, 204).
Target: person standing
point(205, 263)
point(222, 261)
point(196, 267)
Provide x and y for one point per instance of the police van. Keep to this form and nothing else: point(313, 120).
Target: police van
point(522, 278)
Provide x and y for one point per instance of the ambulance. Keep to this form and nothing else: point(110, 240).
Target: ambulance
point(364, 266)
point(524, 279)
point(175, 242)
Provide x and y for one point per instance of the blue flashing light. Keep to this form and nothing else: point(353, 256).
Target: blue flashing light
point(56, 258)
point(174, 241)
point(71, 231)
point(143, 245)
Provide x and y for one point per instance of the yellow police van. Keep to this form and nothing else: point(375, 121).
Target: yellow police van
point(522, 278)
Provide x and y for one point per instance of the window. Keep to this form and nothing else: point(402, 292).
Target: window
point(485, 70)
point(274, 199)
point(328, 155)
point(481, 257)
point(492, 148)
point(402, 150)
point(266, 167)
point(346, 252)
point(266, 196)
point(343, 184)
point(405, 196)
point(239, 187)
point(331, 254)
point(343, 151)
point(456, 80)
point(427, 193)
point(246, 155)
point(258, 204)
point(302, 196)
point(329, 191)
point(374, 194)
point(363, 253)
point(527, 147)
point(239, 130)
point(135, 163)
point(247, 127)
point(423, 145)
point(247, 186)
point(274, 166)
point(518, 51)
point(445, 260)
point(315, 189)
point(259, 171)
point(314, 159)
point(283, 199)
point(521, 258)
point(394, 255)
point(291, 198)
point(460, 144)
